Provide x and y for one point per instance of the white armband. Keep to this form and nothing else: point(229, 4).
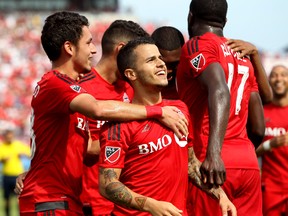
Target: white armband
point(267, 145)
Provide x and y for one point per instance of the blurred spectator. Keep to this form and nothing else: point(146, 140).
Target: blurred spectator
point(11, 152)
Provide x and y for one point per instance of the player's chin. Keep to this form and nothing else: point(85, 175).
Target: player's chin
point(87, 69)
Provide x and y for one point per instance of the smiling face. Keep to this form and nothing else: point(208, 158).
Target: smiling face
point(278, 80)
point(150, 69)
point(83, 52)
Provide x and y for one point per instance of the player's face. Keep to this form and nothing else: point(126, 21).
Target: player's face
point(171, 59)
point(84, 52)
point(150, 68)
point(279, 81)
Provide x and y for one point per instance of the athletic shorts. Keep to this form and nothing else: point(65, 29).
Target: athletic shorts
point(90, 211)
point(51, 208)
point(243, 188)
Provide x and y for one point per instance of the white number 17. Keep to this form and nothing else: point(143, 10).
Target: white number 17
point(244, 70)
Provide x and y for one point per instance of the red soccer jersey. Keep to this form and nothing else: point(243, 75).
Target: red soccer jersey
point(101, 90)
point(275, 163)
point(197, 54)
point(58, 142)
point(153, 160)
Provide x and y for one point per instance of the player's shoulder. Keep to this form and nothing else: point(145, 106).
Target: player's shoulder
point(177, 103)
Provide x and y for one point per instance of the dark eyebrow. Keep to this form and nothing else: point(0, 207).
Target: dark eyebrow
point(152, 58)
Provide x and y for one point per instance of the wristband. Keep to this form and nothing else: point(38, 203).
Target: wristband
point(154, 111)
point(266, 145)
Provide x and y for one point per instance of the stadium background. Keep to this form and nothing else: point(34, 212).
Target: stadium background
point(22, 60)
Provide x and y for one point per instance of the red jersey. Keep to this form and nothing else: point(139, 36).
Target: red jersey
point(101, 90)
point(197, 54)
point(58, 142)
point(153, 160)
point(275, 163)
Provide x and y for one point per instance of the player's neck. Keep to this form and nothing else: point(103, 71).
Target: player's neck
point(107, 70)
point(201, 30)
point(281, 101)
point(147, 98)
point(66, 69)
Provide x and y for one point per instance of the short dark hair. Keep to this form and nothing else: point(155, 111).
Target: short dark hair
point(61, 27)
point(121, 31)
point(168, 38)
point(126, 57)
point(210, 10)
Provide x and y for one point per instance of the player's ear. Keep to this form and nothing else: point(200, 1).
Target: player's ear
point(119, 46)
point(68, 47)
point(130, 74)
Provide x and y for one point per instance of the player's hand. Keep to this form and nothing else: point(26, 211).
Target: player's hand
point(161, 208)
point(279, 141)
point(213, 171)
point(243, 47)
point(174, 119)
point(20, 183)
point(226, 205)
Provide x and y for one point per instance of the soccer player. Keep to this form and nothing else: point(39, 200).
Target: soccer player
point(59, 133)
point(216, 84)
point(274, 149)
point(169, 41)
point(104, 83)
point(143, 165)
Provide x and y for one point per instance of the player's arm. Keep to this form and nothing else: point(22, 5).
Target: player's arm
point(92, 154)
point(213, 79)
point(246, 48)
point(215, 192)
point(120, 111)
point(269, 145)
point(255, 123)
point(111, 188)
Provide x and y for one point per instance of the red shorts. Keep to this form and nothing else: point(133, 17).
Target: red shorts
point(55, 212)
point(95, 211)
point(243, 188)
point(275, 200)
point(55, 208)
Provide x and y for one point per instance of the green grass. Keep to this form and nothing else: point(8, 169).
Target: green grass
point(13, 205)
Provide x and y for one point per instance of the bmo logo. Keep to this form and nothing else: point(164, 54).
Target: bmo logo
point(274, 131)
point(161, 143)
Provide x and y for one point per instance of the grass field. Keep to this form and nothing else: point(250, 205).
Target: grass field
point(14, 205)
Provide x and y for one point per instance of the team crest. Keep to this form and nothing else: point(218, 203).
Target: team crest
point(112, 154)
point(76, 88)
point(198, 62)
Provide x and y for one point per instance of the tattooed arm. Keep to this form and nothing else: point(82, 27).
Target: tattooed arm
point(111, 188)
point(215, 192)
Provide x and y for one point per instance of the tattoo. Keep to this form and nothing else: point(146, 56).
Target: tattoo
point(140, 202)
point(109, 175)
point(118, 193)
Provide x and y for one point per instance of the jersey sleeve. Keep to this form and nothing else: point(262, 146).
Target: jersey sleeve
point(199, 54)
point(57, 93)
point(113, 145)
